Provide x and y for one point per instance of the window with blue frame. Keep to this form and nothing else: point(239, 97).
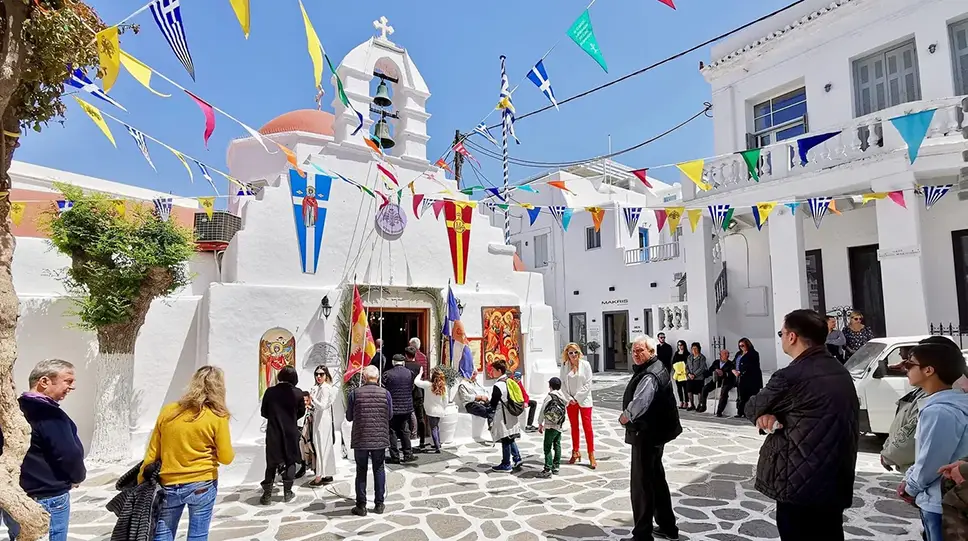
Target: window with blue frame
point(644, 243)
point(780, 118)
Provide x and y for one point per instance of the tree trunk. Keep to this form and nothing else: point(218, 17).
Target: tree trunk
point(111, 443)
point(29, 514)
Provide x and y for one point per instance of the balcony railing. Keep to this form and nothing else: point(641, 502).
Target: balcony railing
point(672, 317)
point(721, 287)
point(861, 138)
point(658, 252)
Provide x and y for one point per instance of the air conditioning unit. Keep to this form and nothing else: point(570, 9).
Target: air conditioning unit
point(214, 234)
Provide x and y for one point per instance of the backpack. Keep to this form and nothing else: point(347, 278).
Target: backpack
point(514, 404)
point(555, 412)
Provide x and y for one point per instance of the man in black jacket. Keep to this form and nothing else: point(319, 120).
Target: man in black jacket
point(399, 382)
point(415, 368)
point(651, 420)
point(664, 352)
point(723, 377)
point(54, 463)
point(810, 411)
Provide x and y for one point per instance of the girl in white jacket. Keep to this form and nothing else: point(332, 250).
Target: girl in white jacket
point(435, 401)
point(576, 385)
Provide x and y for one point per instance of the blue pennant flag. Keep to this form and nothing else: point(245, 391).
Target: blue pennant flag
point(307, 195)
point(804, 145)
point(78, 79)
point(539, 77)
point(933, 194)
point(482, 129)
point(793, 207)
point(139, 138)
point(167, 14)
point(913, 129)
point(205, 173)
point(163, 208)
point(563, 215)
point(533, 214)
point(64, 206)
point(496, 192)
point(632, 215)
point(818, 208)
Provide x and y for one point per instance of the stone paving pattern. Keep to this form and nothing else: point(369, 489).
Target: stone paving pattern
point(454, 496)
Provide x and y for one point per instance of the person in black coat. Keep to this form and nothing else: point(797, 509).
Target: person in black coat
point(664, 352)
point(722, 377)
point(748, 374)
point(282, 407)
point(399, 382)
point(810, 411)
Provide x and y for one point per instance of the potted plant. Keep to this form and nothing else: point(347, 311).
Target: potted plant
point(593, 348)
point(448, 425)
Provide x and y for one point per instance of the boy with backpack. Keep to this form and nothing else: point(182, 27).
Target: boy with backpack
point(553, 413)
point(507, 404)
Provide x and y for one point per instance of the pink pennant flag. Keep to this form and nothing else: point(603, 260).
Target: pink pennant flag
point(386, 200)
point(438, 206)
point(668, 3)
point(641, 174)
point(660, 218)
point(417, 200)
point(209, 113)
point(386, 172)
point(898, 197)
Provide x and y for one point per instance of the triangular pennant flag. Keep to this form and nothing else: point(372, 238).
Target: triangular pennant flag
point(752, 159)
point(167, 15)
point(315, 48)
point(598, 214)
point(502, 206)
point(533, 214)
point(163, 208)
point(539, 76)
point(632, 215)
point(694, 216)
point(255, 135)
point(139, 138)
point(562, 215)
point(693, 171)
point(526, 188)
point(457, 219)
point(141, 72)
point(761, 213)
point(291, 158)
point(793, 207)
point(462, 150)
point(482, 129)
point(78, 79)
point(109, 55)
point(206, 175)
point(438, 206)
point(818, 208)
point(467, 191)
point(560, 184)
point(417, 204)
point(386, 200)
point(413, 192)
point(98, 119)
point(443, 165)
point(17, 210)
point(660, 219)
point(373, 144)
point(933, 194)
point(64, 206)
point(581, 33)
point(241, 8)
point(673, 215)
point(718, 214)
point(208, 205)
point(832, 207)
point(641, 174)
point(181, 158)
point(525, 205)
point(913, 129)
point(804, 145)
point(386, 172)
point(120, 207)
point(341, 94)
point(496, 192)
point(727, 219)
point(898, 197)
point(424, 205)
point(871, 196)
point(668, 3)
point(209, 113)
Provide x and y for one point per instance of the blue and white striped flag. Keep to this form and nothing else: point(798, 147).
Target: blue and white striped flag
point(632, 215)
point(142, 144)
point(167, 14)
point(718, 214)
point(482, 129)
point(539, 77)
point(205, 173)
point(933, 194)
point(64, 206)
point(79, 79)
point(163, 208)
point(507, 107)
point(818, 208)
point(562, 215)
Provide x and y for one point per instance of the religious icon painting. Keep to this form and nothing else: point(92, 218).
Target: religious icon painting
point(475, 345)
point(501, 339)
point(309, 198)
point(277, 348)
point(391, 220)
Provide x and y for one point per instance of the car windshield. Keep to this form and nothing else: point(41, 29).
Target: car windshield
point(859, 361)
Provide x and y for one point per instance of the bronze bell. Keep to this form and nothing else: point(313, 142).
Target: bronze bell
point(381, 132)
point(382, 98)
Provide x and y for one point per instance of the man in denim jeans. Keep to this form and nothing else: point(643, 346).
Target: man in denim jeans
point(370, 408)
point(54, 463)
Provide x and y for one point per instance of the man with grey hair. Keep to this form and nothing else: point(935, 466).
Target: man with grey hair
point(369, 408)
point(54, 463)
point(651, 420)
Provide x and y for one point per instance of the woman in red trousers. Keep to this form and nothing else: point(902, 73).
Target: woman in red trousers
point(576, 384)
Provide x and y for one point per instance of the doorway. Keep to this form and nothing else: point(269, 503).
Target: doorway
point(616, 340)
point(398, 327)
point(866, 287)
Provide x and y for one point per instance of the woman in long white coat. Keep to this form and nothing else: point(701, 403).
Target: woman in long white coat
point(323, 395)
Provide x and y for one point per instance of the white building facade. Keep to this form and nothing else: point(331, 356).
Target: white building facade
point(846, 66)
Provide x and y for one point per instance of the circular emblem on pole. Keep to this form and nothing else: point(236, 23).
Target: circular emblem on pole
point(459, 225)
point(391, 220)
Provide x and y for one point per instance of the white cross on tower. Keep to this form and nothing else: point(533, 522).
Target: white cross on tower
point(384, 28)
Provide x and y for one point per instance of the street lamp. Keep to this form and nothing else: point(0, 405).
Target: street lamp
point(460, 306)
point(327, 309)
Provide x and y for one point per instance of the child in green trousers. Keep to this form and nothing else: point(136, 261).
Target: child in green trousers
point(552, 418)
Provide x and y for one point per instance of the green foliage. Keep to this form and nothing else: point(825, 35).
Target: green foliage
point(119, 263)
point(593, 346)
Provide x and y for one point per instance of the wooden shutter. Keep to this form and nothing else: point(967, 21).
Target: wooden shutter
point(886, 79)
point(959, 49)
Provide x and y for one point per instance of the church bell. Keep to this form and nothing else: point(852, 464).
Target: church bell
point(381, 132)
point(382, 98)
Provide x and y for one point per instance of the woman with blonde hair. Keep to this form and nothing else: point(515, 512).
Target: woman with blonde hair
point(576, 385)
point(191, 438)
point(436, 399)
point(856, 333)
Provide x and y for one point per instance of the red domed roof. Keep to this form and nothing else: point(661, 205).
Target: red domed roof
point(518, 264)
point(305, 120)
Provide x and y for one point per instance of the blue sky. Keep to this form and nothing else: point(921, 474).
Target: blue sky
point(455, 45)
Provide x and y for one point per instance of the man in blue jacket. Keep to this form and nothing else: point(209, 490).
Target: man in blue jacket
point(54, 463)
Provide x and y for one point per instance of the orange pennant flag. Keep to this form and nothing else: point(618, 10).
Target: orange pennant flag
point(560, 184)
point(832, 207)
point(291, 158)
point(598, 214)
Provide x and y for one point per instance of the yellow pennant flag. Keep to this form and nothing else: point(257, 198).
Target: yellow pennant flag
point(232, 179)
point(241, 8)
point(98, 119)
point(412, 191)
point(598, 214)
point(208, 204)
point(181, 158)
point(109, 55)
point(694, 216)
point(526, 205)
point(17, 212)
point(119, 206)
point(871, 196)
point(673, 215)
point(832, 207)
point(315, 48)
point(693, 170)
point(140, 71)
point(761, 213)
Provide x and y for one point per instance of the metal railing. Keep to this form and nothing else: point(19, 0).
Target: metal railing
point(722, 288)
point(955, 332)
point(658, 252)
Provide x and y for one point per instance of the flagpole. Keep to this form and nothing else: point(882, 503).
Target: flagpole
point(349, 332)
point(505, 117)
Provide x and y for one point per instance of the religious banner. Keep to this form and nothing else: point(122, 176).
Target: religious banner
point(457, 218)
point(583, 35)
point(501, 339)
point(673, 215)
point(307, 193)
point(277, 349)
point(208, 205)
point(97, 117)
point(109, 55)
point(761, 213)
point(362, 345)
point(17, 212)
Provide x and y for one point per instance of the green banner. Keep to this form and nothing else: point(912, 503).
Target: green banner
point(581, 32)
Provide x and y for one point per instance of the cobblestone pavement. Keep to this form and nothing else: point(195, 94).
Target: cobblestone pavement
point(453, 496)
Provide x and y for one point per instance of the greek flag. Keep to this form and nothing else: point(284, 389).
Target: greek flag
point(562, 215)
point(718, 214)
point(933, 194)
point(78, 79)
point(205, 173)
point(818, 208)
point(163, 208)
point(632, 215)
point(142, 144)
point(539, 77)
point(482, 129)
point(167, 14)
point(507, 107)
point(64, 206)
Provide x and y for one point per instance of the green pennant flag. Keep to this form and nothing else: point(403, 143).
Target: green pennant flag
point(342, 94)
point(502, 206)
point(752, 159)
point(581, 33)
point(467, 191)
point(727, 218)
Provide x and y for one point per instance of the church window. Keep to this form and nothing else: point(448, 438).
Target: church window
point(541, 250)
point(593, 239)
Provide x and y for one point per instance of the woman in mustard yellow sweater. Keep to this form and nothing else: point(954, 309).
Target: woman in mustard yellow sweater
point(191, 438)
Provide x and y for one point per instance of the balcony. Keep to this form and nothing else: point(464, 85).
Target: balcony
point(651, 254)
point(671, 316)
point(862, 138)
